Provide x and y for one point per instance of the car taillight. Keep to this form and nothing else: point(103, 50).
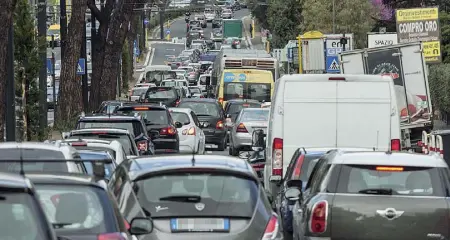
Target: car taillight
point(111, 236)
point(127, 225)
point(298, 166)
point(219, 125)
point(277, 157)
point(272, 228)
point(395, 145)
point(177, 102)
point(190, 131)
point(142, 145)
point(319, 214)
point(241, 128)
point(168, 131)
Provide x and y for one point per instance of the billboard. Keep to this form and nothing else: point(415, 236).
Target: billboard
point(420, 24)
point(381, 39)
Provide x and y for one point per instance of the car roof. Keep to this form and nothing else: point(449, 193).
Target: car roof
point(154, 106)
point(139, 88)
point(208, 100)
point(145, 165)
point(63, 179)
point(107, 130)
point(16, 181)
point(114, 116)
point(255, 109)
point(388, 159)
point(30, 145)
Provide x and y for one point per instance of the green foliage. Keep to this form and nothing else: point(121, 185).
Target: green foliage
point(439, 80)
point(126, 66)
point(26, 54)
point(352, 16)
point(284, 19)
point(444, 19)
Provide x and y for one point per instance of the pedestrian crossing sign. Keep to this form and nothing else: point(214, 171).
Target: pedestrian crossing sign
point(333, 64)
point(81, 66)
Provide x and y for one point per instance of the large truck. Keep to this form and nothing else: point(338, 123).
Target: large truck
point(232, 28)
point(405, 63)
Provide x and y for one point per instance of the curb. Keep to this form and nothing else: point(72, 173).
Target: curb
point(248, 38)
point(147, 59)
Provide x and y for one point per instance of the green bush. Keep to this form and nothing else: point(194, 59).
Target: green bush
point(439, 80)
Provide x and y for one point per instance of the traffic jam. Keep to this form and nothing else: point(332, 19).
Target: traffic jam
point(217, 144)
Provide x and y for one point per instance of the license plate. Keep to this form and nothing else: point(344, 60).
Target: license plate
point(200, 225)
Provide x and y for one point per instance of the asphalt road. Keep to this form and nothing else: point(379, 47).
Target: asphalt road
point(163, 50)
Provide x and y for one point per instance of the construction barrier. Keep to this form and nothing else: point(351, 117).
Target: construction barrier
point(437, 142)
point(425, 137)
point(439, 145)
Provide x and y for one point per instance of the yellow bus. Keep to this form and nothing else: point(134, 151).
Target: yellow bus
point(245, 84)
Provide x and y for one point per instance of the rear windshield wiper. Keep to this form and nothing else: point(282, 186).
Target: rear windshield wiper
point(377, 191)
point(205, 115)
point(182, 198)
point(61, 225)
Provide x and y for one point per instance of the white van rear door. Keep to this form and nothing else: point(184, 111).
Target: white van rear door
point(352, 63)
point(363, 115)
point(309, 116)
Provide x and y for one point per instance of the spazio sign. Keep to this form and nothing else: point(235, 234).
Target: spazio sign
point(421, 25)
point(381, 39)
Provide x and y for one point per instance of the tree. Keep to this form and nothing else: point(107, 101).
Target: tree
point(284, 19)
point(6, 13)
point(70, 100)
point(26, 55)
point(115, 22)
point(439, 80)
point(259, 10)
point(444, 18)
point(352, 16)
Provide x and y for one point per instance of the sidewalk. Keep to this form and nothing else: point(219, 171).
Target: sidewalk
point(256, 41)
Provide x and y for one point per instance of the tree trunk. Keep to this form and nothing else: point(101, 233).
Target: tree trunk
point(131, 36)
point(24, 109)
point(6, 13)
point(119, 24)
point(70, 100)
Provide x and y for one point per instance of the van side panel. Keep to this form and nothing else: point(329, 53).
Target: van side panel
point(309, 116)
point(364, 115)
point(352, 63)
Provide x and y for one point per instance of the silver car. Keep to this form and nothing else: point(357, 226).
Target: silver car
point(137, 92)
point(248, 120)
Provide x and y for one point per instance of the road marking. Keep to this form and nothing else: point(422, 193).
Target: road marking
point(209, 152)
point(170, 49)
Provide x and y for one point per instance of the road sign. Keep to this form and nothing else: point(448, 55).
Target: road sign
point(228, 77)
point(168, 31)
point(295, 55)
point(81, 66)
point(49, 66)
point(333, 64)
point(242, 77)
point(333, 48)
point(381, 39)
point(146, 21)
point(289, 55)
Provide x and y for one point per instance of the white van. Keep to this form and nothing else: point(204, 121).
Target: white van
point(329, 111)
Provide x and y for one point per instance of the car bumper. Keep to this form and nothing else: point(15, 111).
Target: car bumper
point(188, 144)
point(215, 136)
point(241, 140)
point(163, 145)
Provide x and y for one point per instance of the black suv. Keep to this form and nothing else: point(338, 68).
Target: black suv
point(234, 106)
point(132, 123)
point(211, 117)
point(109, 106)
point(168, 96)
point(159, 125)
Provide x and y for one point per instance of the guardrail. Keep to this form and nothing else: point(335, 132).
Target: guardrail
point(436, 141)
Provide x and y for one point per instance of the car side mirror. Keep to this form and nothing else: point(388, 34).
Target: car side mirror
point(65, 135)
point(141, 226)
point(294, 183)
point(292, 194)
point(178, 125)
point(258, 142)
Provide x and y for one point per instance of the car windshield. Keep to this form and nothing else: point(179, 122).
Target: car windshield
point(138, 91)
point(168, 83)
point(19, 217)
point(127, 125)
point(106, 148)
point(73, 209)
point(53, 32)
point(181, 117)
point(370, 179)
point(256, 91)
point(31, 154)
point(201, 108)
point(109, 167)
point(161, 93)
point(219, 195)
point(235, 108)
point(255, 115)
point(152, 116)
point(123, 139)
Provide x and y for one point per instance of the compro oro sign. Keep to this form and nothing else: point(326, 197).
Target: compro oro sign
point(420, 24)
point(381, 39)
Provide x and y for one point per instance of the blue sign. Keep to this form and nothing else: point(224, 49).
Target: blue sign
point(290, 55)
point(228, 77)
point(146, 21)
point(242, 77)
point(49, 66)
point(81, 66)
point(168, 31)
point(333, 47)
point(137, 52)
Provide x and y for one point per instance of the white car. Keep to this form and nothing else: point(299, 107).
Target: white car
point(202, 81)
point(137, 92)
point(192, 138)
point(145, 85)
point(176, 83)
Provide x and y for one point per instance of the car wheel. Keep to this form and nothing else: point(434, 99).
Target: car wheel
point(222, 145)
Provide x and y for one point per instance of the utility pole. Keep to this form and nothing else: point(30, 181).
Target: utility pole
point(84, 80)
point(161, 20)
point(11, 90)
point(42, 32)
point(334, 16)
point(63, 24)
point(55, 98)
point(93, 43)
point(144, 28)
